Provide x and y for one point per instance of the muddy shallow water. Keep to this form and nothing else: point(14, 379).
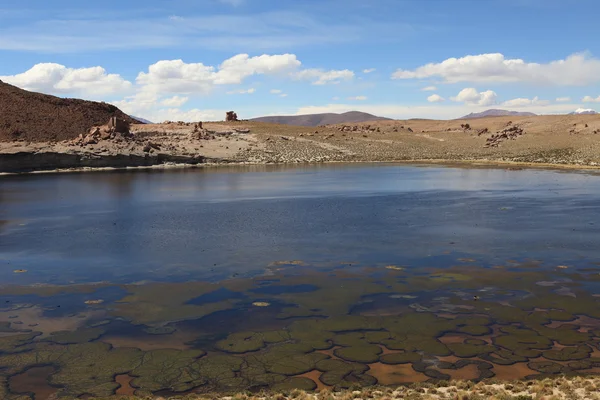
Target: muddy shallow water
point(229, 279)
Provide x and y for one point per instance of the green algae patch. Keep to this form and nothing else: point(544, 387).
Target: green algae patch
point(74, 337)
point(87, 368)
point(343, 375)
point(167, 369)
point(15, 343)
point(158, 303)
point(299, 383)
point(400, 358)
point(523, 342)
point(548, 367)
point(159, 330)
point(350, 339)
point(469, 350)
point(287, 359)
point(568, 353)
point(475, 330)
point(365, 354)
point(245, 342)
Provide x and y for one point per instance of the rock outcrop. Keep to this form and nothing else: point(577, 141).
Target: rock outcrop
point(231, 116)
point(36, 117)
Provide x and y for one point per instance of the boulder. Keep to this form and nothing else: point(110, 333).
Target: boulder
point(231, 116)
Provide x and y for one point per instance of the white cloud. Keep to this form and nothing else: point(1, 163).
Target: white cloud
point(590, 99)
point(335, 98)
point(358, 98)
point(429, 89)
point(524, 102)
point(176, 76)
point(369, 70)
point(57, 79)
point(435, 98)
point(322, 77)
point(563, 99)
point(275, 91)
point(576, 70)
point(175, 101)
point(283, 95)
point(236, 68)
point(471, 96)
point(242, 91)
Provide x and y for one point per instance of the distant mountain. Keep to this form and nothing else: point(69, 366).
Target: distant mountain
point(498, 113)
point(321, 119)
point(581, 111)
point(142, 120)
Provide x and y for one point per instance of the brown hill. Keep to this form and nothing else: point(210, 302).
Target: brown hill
point(37, 117)
point(321, 119)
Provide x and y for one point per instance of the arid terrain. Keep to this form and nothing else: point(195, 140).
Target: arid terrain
point(559, 140)
point(42, 132)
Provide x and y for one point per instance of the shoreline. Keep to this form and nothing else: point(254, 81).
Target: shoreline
point(548, 388)
point(447, 163)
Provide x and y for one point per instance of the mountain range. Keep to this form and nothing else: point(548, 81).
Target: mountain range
point(498, 113)
point(581, 111)
point(320, 119)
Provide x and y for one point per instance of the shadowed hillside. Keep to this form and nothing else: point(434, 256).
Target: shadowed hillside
point(37, 117)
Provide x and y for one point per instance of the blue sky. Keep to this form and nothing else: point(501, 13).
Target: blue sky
point(193, 60)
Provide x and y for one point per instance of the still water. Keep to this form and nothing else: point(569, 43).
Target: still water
point(278, 277)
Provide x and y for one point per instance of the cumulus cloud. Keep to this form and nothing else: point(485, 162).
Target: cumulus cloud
point(176, 76)
point(576, 70)
point(590, 99)
point(471, 96)
point(429, 89)
point(563, 99)
point(175, 101)
point(524, 102)
point(435, 98)
point(58, 79)
point(236, 68)
point(322, 77)
point(358, 98)
point(242, 91)
point(368, 70)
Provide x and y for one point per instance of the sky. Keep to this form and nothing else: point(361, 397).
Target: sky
point(193, 60)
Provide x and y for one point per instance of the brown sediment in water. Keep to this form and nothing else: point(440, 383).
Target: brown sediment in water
point(314, 376)
point(33, 316)
point(329, 352)
point(512, 372)
point(125, 389)
point(468, 372)
point(34, 380)
point(395, 374)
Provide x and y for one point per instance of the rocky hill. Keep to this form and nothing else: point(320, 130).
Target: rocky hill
point(498, 113)
point(37, 117)
point(321, 119)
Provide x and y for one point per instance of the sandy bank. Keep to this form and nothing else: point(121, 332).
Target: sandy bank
point(545, 141)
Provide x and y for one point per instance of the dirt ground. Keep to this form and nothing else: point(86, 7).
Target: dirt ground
point(558, 140)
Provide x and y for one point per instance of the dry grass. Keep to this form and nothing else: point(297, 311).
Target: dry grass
point(559, 388)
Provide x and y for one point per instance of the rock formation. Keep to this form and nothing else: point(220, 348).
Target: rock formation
point(231, 116)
